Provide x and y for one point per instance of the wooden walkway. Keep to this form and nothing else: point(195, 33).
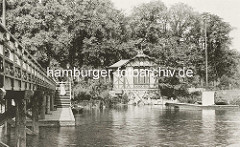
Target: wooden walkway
point(27, 94)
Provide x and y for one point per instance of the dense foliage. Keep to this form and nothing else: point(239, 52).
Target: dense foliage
point(93, 33)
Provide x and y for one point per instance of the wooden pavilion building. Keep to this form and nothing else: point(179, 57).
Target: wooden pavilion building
point(134, 78)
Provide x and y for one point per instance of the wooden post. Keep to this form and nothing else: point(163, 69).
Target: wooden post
point(43, 106)
point(52, 101)
point(20, 120)
point(7, 126)
point(48, 103)
point(35, 111)
point(8, 99)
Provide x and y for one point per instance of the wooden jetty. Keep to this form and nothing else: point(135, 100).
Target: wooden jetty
point(27, 94)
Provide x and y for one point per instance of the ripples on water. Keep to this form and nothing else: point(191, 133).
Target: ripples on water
point(145, 126)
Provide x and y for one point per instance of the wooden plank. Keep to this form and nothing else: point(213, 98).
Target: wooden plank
point(29, 115)
point(3, 144)
point(2, 93)
point(29, 132)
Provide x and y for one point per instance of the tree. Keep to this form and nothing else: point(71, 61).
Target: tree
point(148, 21)
point(93, 34)
point(180, 43)
point(39, 26)
point(66, 31)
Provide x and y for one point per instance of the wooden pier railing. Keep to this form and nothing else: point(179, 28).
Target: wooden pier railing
point(18, 69)
point(24, 86)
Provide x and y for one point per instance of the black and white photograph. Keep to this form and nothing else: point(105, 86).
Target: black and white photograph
point(119, 73)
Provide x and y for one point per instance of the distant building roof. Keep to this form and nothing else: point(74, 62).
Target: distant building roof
point(119, 64)
point(141, 54)
point(124, 62)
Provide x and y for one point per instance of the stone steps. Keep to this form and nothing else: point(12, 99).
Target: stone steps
point(63, 101)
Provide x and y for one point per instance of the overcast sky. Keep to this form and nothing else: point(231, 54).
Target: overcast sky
point(229, 10)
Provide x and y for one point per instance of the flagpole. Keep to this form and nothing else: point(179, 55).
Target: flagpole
point(206, 51)
point(4, 13)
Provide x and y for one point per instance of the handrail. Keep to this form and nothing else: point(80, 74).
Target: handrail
point(17, 54)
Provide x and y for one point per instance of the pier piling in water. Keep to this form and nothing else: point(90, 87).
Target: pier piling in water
point(52, 101)
point(48, 101)
point(20, 121)
point(35, 111)
point(43, 106)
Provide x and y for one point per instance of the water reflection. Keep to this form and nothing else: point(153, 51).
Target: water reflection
point(208, 127)
point(137, 126)
point(145, 126)
point(228, 127)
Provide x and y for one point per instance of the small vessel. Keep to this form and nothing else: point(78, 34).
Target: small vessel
point(198, 106)
point(77, 109)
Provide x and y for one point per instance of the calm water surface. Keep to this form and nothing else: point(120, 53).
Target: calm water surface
point(145, 126)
